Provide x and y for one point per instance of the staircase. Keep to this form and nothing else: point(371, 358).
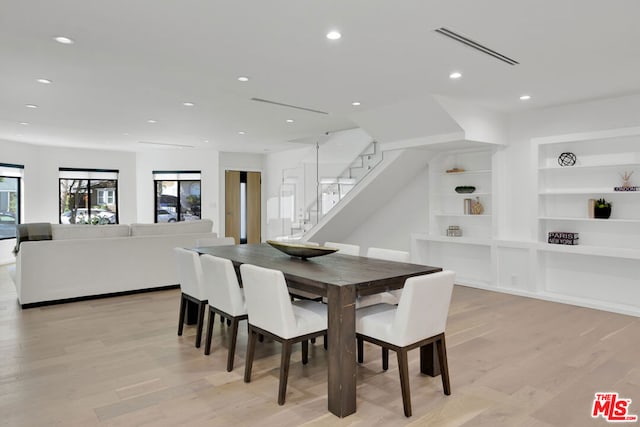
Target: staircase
point(324, 192)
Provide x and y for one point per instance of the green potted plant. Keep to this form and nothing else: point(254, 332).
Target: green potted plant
point(602, 209)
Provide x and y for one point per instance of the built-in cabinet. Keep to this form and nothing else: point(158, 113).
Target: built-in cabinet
point(601, 271)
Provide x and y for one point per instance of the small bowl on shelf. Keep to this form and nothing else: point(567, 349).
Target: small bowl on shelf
point(465, 189)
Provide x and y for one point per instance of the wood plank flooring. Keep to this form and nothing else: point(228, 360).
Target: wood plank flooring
point(513, 361)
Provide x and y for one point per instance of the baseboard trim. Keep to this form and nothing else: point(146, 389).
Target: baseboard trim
point(99, 296)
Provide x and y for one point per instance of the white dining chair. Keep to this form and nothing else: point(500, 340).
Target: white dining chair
point(225, 297)
point(419, 319)
point(215, 241)
point(393, 296)
point(191, 287)
point(273, 314)
point(344, 248)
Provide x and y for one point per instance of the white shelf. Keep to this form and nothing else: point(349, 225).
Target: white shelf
point(566, 191)
point(457, 215)
point(602, 165)
point(465, 195)
point(449, 239)
point(469, 172)
point(592, 250)
point(559, 218)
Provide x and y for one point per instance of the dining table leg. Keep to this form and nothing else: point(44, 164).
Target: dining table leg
point(342, 345)
point(429, 364)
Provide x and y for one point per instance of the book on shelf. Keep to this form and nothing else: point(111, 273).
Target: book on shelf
point(563, 238)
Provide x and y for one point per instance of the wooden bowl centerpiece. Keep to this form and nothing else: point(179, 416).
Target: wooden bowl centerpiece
point(301, 250)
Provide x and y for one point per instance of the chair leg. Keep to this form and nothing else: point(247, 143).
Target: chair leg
point(325, 340)
point(444, 366)
point(251, 349)
point(232, 344)
point(201, 307)
point(207, 344)
point(385, 358)
point(222, 320)
point(360, 343)
point(305, 352)
point(403, 368)
point(313, 340)
point(284, 371)
point(183, 311)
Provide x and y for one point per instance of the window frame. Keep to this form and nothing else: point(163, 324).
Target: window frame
point(89, 179)
point(174, 176)
point(17, 176)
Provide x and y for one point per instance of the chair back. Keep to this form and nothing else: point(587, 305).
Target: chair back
point(215, 241)
point(221, 285)
point(423, 307)
point(389, 254)
point(344, 248)
point(190, 273)
point(268, 301)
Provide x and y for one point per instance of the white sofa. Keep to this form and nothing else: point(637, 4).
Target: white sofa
point(90, 260)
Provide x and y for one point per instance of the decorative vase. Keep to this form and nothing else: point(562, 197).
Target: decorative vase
point(602, 213)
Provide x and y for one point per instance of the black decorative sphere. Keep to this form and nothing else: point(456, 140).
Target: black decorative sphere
point(567, 159)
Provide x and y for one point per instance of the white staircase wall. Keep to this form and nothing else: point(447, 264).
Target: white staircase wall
point(374, 193)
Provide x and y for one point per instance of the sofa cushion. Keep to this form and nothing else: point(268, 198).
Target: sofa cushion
point(81, 231)
point(183, 227)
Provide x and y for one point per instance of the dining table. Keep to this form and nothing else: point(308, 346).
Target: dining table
point(341, 279)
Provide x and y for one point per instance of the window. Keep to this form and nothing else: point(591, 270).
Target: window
point(10, 190)
point(177, 195)
point(88, 196)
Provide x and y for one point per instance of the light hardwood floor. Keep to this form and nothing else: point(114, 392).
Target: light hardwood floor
point(514, 362)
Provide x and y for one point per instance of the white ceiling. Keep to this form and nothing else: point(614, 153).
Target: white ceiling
point(135, 60)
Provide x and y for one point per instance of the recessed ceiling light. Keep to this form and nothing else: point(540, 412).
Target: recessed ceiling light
point(152, 121)
point(19, 134)
point(333, 35)
point(63, 40)
point(525, 97)
point(455, 75)
point(206, 140)
point(24, 123)
point(243, 79)
point(44, 81)
point(31, 105)
point(241, 132)
point(355, 103)
point(188, 104)
point(289, 120)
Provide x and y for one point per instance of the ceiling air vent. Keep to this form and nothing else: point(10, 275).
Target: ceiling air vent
point(166, 144)
point(475, 45)
point(266, 101)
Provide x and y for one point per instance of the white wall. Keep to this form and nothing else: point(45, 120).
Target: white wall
point(391, 226)
point(40, 184)
point(206, 161)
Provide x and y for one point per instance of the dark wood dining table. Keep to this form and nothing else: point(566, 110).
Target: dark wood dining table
point(340, 278)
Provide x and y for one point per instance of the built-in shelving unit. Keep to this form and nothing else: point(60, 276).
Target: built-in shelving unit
point(470, 254)
point(603, 267)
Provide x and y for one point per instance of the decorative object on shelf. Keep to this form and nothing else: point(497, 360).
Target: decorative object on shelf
point(563, 238)
point(591, 207)
point(467, 206)
point(301, 250)
point(602, 209)
point(454, 231)
point(476, 207)
point(567, 159)
point(626, 183)
point(463, 189)
point(455, 170)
